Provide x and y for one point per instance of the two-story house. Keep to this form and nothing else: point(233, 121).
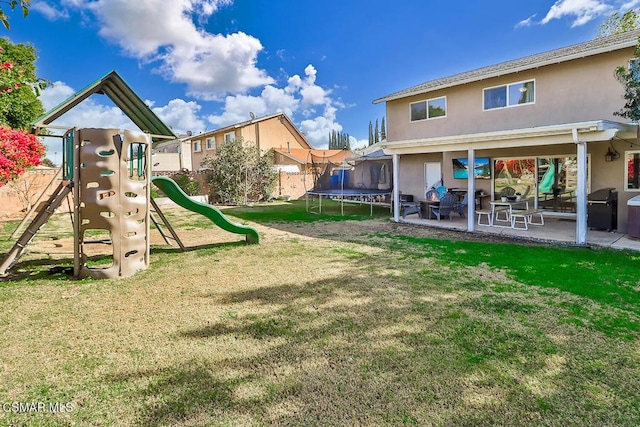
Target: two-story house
point(275, 132)
point(543, 125)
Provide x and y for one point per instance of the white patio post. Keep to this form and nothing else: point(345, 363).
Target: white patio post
point(396, 188)
point(471, 190)
point(581, 193)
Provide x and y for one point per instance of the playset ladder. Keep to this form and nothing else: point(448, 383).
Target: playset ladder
point(34, 207)
point(165, 223)
point(41, 218)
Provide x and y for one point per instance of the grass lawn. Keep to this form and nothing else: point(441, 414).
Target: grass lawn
point(328, 321)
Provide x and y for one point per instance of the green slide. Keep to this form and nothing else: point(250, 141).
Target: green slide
point(175, 193)
point(546, 183)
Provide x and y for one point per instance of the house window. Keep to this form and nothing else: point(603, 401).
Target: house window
point(429, 109)
point(509, 95)
point(229, 137)
point(632, 171)
point(197, 147)
point(211, 143)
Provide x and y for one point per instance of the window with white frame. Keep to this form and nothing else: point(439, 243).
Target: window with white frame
point(632, 171)
point(429, 109)
point(229, 137)
point(197, 146)
point(510, 95)
point(211, 143)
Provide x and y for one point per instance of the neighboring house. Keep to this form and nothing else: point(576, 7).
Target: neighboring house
point(172, 156)
point(296, 160)
point(543, 124)
point(275, 131)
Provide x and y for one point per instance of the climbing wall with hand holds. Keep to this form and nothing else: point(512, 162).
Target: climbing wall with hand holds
point(112, 178)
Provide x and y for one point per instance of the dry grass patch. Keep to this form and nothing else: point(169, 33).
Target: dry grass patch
point(321, 324)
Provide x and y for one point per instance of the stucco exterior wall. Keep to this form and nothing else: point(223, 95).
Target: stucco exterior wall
point(573, 91)
point(166, 162)
point(271, 133)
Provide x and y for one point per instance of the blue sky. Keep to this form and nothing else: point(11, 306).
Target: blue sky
point(204, 64)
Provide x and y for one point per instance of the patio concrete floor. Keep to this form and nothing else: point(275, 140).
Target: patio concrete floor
point(560, 230)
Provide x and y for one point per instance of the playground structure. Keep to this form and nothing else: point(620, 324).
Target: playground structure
point(107, 172)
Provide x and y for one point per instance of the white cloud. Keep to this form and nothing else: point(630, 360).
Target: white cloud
point(300, 96)
point(55, 94)
point(50, 12)
point(237, 109)
point(319, 128)
point(181, 116)
point(278, 100)
point(358, 143)
point(89, 113)
point(165, 33)
point(526, 22)
point(311, 93)
point(215, 64)
point(580, 11)
point(214, 67)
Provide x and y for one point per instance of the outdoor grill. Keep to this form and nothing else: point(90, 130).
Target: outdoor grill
point(602, 209)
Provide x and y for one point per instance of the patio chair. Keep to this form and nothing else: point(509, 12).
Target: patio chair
point(411, 208)
point(461, 207)
point(507, 192)
point(446, 206)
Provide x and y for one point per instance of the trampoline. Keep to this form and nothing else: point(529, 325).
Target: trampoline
point(363, 180)
point(362, 195)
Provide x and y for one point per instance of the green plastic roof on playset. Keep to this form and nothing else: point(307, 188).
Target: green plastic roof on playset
point(113, 86)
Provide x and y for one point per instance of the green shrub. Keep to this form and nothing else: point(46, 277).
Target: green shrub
point(188, 185)
point(240, 174)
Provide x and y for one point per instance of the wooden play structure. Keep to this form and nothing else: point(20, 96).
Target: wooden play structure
point(107, 172)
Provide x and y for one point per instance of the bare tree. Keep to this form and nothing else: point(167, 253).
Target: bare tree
point(25, 189)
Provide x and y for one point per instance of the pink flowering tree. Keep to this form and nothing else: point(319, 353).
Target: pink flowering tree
point(18, 150)
point(9, 76)
point(19, 87)
point(18, 106)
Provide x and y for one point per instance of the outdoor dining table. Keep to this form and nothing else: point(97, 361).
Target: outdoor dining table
point(508, 207)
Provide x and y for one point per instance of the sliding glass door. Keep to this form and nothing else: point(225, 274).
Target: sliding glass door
point(557, 183)
point(513, 176)
point(549, 180)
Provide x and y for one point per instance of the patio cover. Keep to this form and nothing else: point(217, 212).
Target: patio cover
point(591, 131)
point(580, 134)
